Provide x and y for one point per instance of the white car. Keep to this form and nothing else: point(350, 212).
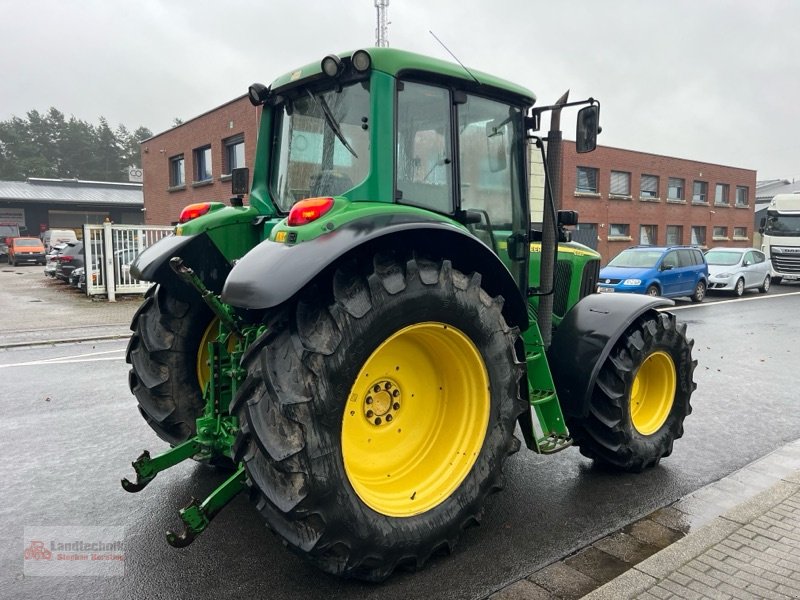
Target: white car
point(737, 269)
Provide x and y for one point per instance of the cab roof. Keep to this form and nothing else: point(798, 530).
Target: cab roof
point(400, 62)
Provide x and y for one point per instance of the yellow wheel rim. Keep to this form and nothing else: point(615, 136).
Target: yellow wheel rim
point(416, 419)
point(203, 367)
point(653, 393)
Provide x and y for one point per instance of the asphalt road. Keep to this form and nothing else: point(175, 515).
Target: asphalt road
point(69, 430)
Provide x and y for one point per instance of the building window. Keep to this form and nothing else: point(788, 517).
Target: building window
point(721, 194)
point(202, 163)
point(648, 235)
point(720, 232)
point(620, 183)
point(176, 176)
point(675, 188)
point(648, 187)
point(586, 180)
point(586, 234)
point(700, 192)
point(741, 195)
point(740, 233)
point(619, 230)
point(698, 236)
point(674, 235)
point(234, 153)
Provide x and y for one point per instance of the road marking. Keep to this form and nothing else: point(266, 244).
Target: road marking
point(702, 304)
point(69, 360)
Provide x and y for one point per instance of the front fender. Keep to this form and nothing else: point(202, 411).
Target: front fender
point(584, 340)
point(273, 272)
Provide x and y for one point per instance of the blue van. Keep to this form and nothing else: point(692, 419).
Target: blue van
point(669, 271)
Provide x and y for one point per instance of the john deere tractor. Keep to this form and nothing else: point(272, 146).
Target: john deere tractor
point(356, 347)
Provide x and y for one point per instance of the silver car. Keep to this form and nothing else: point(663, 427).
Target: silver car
point(737, 269)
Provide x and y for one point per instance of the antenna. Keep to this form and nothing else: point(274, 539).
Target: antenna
point(453, 55)
point(382, 31)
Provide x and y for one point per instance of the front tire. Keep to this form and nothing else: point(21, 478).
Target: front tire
point(738, 290)
point(652, 290)
point(168, 334)
point(377, 414)
point(641, 396)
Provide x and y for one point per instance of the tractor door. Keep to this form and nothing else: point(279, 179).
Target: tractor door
point(464, 155)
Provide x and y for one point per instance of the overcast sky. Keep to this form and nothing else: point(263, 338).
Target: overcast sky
point(709, 80)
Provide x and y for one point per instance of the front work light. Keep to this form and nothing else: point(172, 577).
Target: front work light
point(361, 60)
point(309, 210)
point(332, 65)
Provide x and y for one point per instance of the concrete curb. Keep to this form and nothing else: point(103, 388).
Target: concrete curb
point(648, 573)
point(95, 338)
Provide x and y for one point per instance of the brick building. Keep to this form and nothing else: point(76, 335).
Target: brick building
point(192, 161)
point(626, 197)
point(623, 197)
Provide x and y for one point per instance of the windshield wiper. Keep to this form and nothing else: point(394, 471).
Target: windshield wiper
point(331, 120)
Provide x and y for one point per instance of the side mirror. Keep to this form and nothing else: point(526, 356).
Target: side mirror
point(240, 181)
point(666, 267)
point(496, 146)
point(587, 129)
point(567, 217)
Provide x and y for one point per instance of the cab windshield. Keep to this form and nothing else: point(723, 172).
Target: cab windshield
point(636, 258)
point(785, 225)
point(322, 143)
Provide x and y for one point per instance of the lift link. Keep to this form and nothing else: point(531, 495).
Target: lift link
point(196, 517)
point(220, 309)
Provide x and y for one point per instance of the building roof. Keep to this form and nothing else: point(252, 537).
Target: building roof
point(72, 191)
point(766, 190)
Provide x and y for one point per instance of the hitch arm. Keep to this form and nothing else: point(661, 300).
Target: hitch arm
point(147, 468)
point(196, 517)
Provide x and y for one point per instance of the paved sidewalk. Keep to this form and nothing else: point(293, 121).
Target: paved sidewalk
point(750, 552)
point(736, 538)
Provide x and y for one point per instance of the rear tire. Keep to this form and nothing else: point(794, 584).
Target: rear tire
point(699, 291)
point(641, 396)
point(306, 415)
point(163, 353)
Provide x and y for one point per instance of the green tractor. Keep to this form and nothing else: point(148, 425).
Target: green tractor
point(358, 345)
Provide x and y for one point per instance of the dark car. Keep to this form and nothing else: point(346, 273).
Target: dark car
point(70, 259)
point(669, 271)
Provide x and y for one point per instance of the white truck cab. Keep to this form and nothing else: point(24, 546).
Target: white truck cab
point(781, 237)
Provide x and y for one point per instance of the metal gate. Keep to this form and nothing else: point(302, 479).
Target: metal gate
point(110, 248)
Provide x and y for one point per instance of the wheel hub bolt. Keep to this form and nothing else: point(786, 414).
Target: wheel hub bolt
point(382, 402)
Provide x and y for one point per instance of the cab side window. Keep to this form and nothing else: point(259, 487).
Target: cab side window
point(424, 147)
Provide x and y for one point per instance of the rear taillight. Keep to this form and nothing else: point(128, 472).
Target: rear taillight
point(309, 210)
point(66, 258)
point(198, 210)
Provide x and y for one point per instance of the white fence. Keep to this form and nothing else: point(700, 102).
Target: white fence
point(111, 249)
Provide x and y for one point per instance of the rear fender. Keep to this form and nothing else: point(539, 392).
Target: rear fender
point(273, 272)
point(197, 252)
point(584, 340)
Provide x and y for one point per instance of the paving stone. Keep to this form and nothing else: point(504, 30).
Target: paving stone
point(671, 517)
point(598, 565)
point(653, 533)
point(563, 581)
point(626, 547)
point(630, 584)
point(522, 590)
